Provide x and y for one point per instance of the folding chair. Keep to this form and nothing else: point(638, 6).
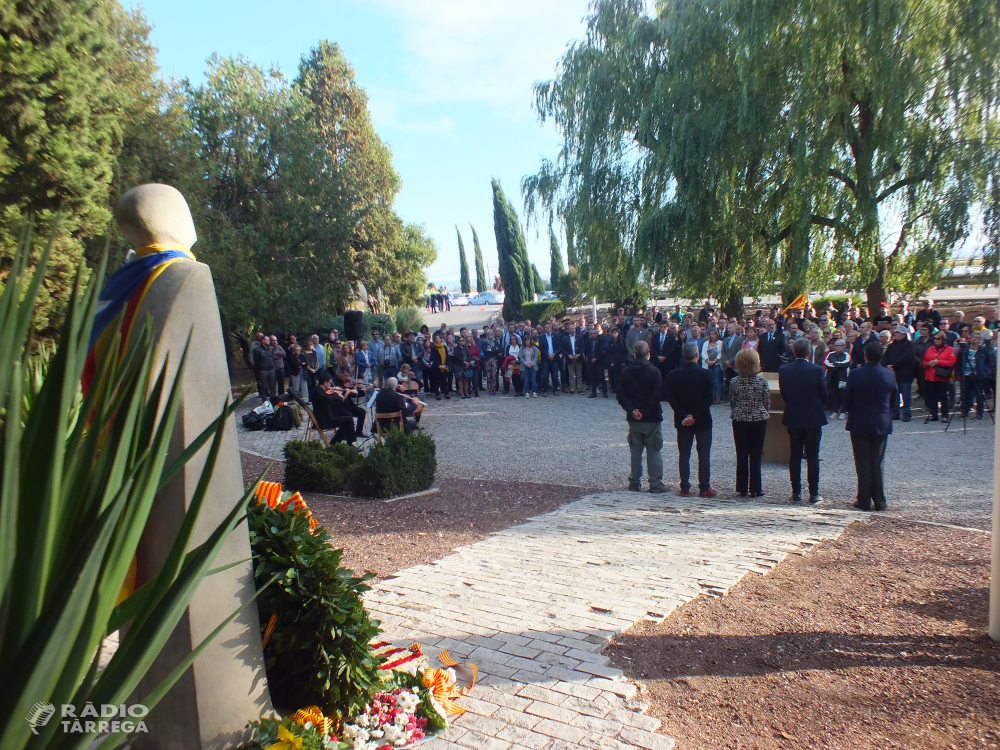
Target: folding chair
point(398, 415)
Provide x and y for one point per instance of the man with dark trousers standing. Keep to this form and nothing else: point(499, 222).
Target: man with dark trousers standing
point(596, 358)
point(639, 395)
point(803, 387)
point(661, 350)
point(869, 392)
point(550, 348)
point(690, 393)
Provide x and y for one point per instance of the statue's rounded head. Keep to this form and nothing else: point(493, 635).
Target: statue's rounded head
point(155, 213)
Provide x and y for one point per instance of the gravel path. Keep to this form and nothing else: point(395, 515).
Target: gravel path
point(930, 475)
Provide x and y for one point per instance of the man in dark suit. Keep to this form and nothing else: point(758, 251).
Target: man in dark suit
point(571, 342)
point(803, 387)
point(689, 391)
point(731, 346)
point(550, 348)
point(865, 337)
point(595, 357)
point(771, 347)
point(869, 392)
point(662, 350)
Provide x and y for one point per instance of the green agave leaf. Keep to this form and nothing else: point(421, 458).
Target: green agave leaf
point(36, 668)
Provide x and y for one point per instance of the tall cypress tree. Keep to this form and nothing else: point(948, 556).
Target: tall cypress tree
point(481, 285)
point(537, 281)
point(59, 132)
point(463, 264)
point(556, 270)
point(514, 272)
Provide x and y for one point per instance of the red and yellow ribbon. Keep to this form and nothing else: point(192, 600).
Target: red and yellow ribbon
point(443, 687)
point(314, 715)
point(270, 493)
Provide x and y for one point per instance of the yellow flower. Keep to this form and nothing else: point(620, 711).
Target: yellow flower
point(286, 741)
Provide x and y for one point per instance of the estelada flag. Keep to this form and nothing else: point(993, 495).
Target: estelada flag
point(799, 303)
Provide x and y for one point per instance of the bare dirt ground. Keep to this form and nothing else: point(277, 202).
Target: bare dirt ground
point(385, 537)
point(876, 640)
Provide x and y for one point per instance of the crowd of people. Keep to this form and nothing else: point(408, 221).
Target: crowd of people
point(950, 363)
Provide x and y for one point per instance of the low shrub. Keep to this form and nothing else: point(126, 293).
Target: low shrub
point(312, 467)
point(408, 319)
point(319, 651)
point(404, 464)
point(541, 311)
point(832, 300)
point(384, 323)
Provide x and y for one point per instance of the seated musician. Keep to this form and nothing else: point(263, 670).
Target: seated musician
point(389, 400)
point(327, 406)
point(350, 392)
point(409, 384)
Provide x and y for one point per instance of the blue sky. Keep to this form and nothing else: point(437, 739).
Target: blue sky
point(449, 84)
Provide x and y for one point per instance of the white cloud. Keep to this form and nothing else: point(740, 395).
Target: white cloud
point(490, 52)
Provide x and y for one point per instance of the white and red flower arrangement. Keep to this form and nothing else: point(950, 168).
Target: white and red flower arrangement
point(391, 720)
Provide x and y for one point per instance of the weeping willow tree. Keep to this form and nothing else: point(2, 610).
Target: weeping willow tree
point(463, 265)
point(481, 285)
point(726, 145)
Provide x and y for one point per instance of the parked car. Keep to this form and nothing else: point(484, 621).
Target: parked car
point(459, 300)
point(487, 298)
point(548, 297)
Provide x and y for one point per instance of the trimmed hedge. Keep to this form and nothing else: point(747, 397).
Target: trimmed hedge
point(312, 467)
point(541, 311)
point(404, 464)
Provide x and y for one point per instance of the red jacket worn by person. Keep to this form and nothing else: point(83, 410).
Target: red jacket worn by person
point(945, 357)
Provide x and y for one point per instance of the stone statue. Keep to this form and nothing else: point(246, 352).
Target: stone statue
point(211, 704)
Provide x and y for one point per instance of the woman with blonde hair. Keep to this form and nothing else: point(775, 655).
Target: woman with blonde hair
point(749, 401)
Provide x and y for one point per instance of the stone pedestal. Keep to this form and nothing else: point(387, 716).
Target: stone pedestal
point(777, 449)
point(211, 704)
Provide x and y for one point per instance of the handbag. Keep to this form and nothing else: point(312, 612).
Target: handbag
point(944, 373)
point(468, 374)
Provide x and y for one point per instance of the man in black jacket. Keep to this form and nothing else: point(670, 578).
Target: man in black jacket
point(639, 391)
point(865, 337)
point(663, 350)
point(899, 357)
point(869, 391)
point(263, 365)
point(596, 360)
point(689, 391)
point(803, 388)
point(772, 345)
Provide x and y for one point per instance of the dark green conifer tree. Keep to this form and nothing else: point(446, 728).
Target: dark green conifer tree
point(481, 285)
point(463, 264)
point(511, 253)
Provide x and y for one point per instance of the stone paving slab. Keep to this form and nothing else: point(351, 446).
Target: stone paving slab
point(533, 606)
